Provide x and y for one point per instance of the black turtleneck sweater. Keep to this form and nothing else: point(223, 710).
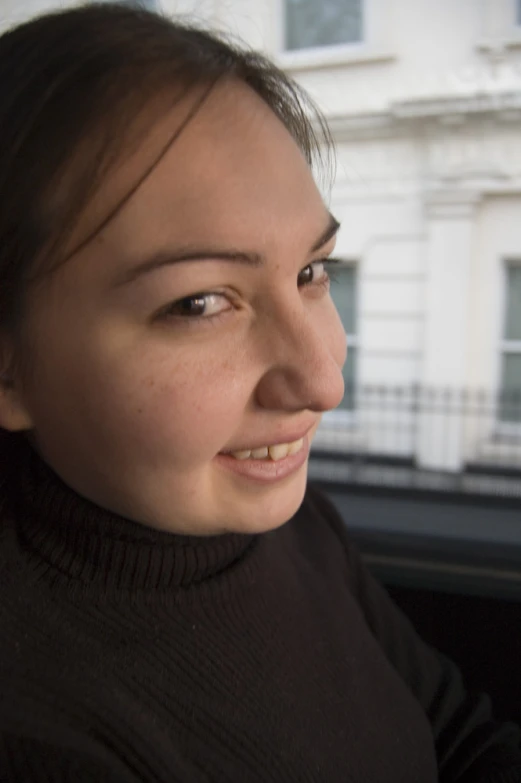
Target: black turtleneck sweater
point(133, 656)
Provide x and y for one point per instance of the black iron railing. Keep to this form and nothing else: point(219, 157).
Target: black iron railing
point(423, 438)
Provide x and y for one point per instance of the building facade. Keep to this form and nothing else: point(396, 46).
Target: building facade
point(424, 100)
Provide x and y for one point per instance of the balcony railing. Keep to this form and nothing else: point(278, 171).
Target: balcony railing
point(441, 439)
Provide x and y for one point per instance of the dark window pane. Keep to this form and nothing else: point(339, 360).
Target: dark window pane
point(313, 23)
point(513, 304)
point(349, 373)
point(151, 5)
point(510, 407)
point(343, 293)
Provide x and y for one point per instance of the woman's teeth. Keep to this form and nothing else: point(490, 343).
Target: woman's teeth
point(274, 453)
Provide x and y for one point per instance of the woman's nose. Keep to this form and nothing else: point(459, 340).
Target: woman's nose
point(304, 371)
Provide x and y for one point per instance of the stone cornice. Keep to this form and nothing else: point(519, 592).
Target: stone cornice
point(445, 107)
point(401, 116)
point(451, 203)
point(453, 97)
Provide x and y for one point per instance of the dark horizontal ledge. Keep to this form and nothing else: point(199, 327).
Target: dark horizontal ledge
point(414, 542)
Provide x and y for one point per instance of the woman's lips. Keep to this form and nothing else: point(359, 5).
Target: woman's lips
point(264, 440)
point(266, 470)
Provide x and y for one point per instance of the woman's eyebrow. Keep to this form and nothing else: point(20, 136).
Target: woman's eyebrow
point(328, 234)
point(167, 258)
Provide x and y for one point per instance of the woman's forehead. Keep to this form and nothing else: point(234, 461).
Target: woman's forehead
point(234, 173)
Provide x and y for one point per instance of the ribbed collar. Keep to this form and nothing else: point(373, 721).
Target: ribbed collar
point(85, 543)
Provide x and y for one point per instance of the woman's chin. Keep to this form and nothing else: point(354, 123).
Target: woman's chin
point(270, 508)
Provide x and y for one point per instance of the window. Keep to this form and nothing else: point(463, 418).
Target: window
point(150, 5)
point(344, 295)
point(510, 410)
point(312, 24)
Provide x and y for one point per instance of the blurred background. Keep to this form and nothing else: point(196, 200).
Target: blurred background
point(423, 456)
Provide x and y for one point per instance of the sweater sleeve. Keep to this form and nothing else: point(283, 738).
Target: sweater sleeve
point(470, 746)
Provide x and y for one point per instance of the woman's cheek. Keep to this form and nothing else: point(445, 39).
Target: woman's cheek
point(193, 407)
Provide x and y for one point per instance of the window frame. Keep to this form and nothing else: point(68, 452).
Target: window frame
point(374, 48)
point(148, 5)
point(506, 346)
point(321, 52)
point(348, 418)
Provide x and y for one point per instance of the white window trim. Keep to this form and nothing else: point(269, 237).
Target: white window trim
point(330, 56)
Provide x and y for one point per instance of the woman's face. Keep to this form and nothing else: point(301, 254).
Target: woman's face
point(195, 324)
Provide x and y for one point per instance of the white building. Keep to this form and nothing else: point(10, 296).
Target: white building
point(424, 100)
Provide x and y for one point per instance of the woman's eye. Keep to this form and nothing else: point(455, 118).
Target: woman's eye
point(197, 306)
point(313, 273)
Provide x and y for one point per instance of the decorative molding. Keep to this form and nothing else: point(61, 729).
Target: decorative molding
point(451, 98)
point(481, 157)
point(447, 107)
point(396, 188)
point(454, 204)
point(459, 133)
point(405, 116)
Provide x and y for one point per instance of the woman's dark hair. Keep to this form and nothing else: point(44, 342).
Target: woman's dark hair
point(72, 84)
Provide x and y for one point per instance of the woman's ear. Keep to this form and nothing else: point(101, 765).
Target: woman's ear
point(14, 415)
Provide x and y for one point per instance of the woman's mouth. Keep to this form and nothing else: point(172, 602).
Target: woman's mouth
point(275, 453)
point(267, 463)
